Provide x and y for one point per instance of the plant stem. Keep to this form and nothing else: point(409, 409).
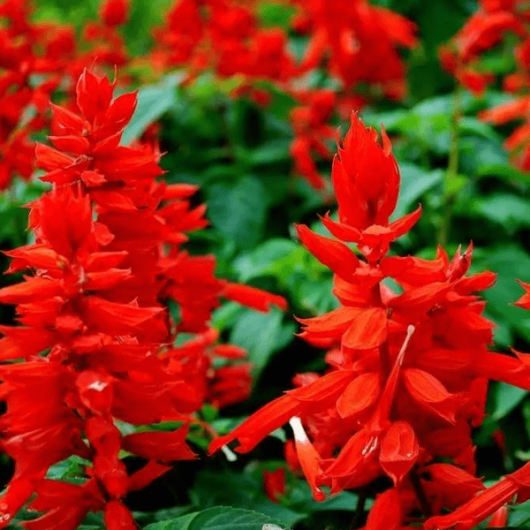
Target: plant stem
point(420, 493)
point(451, 173)
point(359, 510)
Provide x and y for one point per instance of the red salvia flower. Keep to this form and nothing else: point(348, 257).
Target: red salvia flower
point(409, 369)
point(95, 338)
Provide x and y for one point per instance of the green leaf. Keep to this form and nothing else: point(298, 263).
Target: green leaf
point(275, 14)
point(220, 518)
point(506, 398)
point(238, 209)
point(270, 258)
point(504, 172)
point(415, 181)
point(153, 102)
point(240, 490)
point(180, 523)
point(510, 263)
point(479, 128)
point(262, 334)
point(506, 209)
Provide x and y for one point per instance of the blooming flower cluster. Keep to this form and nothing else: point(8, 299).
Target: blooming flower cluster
point(94, 354)
point(357, 38)
point(22, 100)
point(37, 60)
point(223, 36)
point(408, 358)
point(487, 28)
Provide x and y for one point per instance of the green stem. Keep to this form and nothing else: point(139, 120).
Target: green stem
point(451, 174)
point(358, 516)
point(423, 501)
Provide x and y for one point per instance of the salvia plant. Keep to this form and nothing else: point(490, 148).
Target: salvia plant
point(224, 310)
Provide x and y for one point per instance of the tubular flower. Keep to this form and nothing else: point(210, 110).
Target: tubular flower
point(408, 367)
point(357, 37)
point(225, 36)
point(27, 51)
point(513, 487)
point(95, 341)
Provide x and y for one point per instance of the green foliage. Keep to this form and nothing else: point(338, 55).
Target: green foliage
point(262, 334)
point(153, 102)
point(237, 209)
point(220, 518)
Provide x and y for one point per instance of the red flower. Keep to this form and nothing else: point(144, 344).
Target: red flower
point(95, 338)
point(409, 378)
point(115, 12)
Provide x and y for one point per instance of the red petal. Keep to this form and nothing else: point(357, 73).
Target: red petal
point(399, 450)
point(118, 517)
point(368, 330)
point(160, 446)
point(308, 457)
point(329, 386)
point(341, 231)
point(253, 297)
point(359, 395)
point(31, 290)
point(386, 513)
point(334, 254)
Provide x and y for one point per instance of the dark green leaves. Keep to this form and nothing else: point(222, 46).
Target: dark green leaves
point(262, 334)
point(221, 518)
point(153, 102)
point(237, 209)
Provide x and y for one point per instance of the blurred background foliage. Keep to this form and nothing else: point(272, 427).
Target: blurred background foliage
point(238, 153)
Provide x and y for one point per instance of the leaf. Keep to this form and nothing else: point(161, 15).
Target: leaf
point(273, 14)
point(240, 490)
point(271, 152)
point(180, 523)
point(510, 263)
point(262, 334)
point(505, 399)
point(219, 518)
point(238, 210)
point(506, 209)
point(504, 172)
point(414, 183)
point(476, 127)
point(268, 259)
point(153, 102)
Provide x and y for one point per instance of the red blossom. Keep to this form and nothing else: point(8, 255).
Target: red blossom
point(408, 369)
point(96, 339)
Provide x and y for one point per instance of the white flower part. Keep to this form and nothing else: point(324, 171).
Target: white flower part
point(230, 455)
point(98, 386)
point(271, 527)
point(401, 355)
point(298, 430)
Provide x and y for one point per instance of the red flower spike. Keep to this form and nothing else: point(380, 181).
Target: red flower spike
point(408, 371)
point(93, 342)
point(365, 177)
